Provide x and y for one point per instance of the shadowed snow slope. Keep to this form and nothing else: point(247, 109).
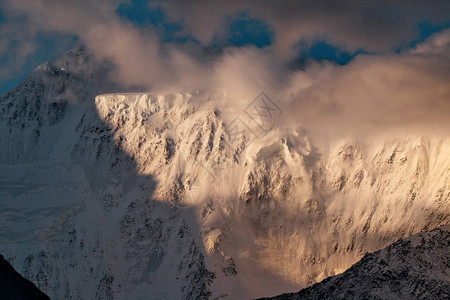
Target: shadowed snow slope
point(144, 196)
point(413, 268)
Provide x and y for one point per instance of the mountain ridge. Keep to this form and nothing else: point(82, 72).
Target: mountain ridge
point(139, 194)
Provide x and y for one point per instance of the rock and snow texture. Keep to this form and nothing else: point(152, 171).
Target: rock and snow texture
point(140, 196)
point(76, 217)
point(414, 268)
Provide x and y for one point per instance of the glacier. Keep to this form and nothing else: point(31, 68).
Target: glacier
point(116, 195)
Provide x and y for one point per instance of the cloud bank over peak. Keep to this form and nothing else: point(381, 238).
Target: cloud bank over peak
point(405, 93)
point(379, 89)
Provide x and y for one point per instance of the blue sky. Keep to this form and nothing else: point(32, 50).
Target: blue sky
point(241, 29)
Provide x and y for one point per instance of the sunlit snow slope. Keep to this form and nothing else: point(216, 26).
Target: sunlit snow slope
point(138, 196)
point(412, 268)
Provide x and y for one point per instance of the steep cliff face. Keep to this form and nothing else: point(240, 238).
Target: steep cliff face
point(414, 268)
point(138, 194)
point(276, 206)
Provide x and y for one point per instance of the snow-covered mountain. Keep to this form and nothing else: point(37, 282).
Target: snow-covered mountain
point(414, 268)
point(140, 196)
point(77, 218)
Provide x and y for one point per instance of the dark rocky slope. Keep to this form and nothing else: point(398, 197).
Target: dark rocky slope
point(14, 287)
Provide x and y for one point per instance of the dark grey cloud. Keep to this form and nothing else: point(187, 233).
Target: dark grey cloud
point(370, 25)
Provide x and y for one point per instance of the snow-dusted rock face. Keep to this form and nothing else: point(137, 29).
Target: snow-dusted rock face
point(277, 205)
point(414, 268)
point(78, 220)
point(146, 196)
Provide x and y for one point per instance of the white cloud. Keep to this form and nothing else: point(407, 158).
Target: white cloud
point(437, 44)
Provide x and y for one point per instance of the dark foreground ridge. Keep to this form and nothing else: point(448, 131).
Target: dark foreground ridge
point(414, 268)
point(14, 287)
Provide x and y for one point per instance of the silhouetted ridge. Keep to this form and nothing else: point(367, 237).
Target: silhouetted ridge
point(14, 287)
